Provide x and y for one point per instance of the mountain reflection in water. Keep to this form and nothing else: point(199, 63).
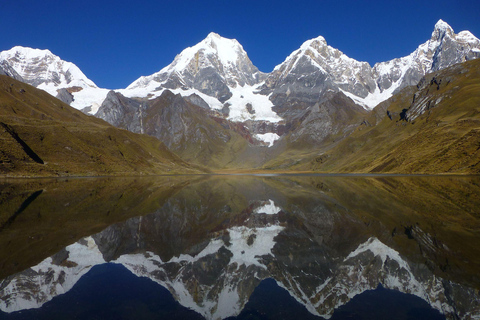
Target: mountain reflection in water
point(213, 241)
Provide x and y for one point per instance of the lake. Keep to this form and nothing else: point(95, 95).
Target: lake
point(241, 247)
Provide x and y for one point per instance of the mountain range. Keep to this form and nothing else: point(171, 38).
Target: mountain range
point(213, 107)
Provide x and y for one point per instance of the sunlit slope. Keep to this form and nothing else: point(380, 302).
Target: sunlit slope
point(431, 128)
point(42, 136)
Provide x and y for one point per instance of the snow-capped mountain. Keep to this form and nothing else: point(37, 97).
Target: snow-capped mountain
point(62, 79)
point(219, 71)
point(316, 68)
point(196, 67)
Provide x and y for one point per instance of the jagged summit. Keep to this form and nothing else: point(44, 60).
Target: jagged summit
point(442, 25)
point(442, 50)
point(212, 66)
point(320, 67)
point(227, 51)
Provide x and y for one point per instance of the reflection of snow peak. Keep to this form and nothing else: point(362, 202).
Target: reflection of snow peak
point(268, 208)
point(379, 249)
point(49, 279)
point(247, 246)
point(359, 272)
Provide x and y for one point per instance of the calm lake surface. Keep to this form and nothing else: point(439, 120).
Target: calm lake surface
point(240, 247)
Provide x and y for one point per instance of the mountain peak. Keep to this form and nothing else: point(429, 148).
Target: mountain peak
point(228, 51)
point(442, 25)
point(25, 55)
point(441, 29)
point(213, 35)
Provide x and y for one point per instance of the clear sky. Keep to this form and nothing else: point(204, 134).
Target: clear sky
point(116, 42)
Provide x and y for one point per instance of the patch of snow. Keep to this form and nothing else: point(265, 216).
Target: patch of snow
point(268, 208)
point(269, 138)
point(261, 105)
point(372, 99)
point(248, 254)
point(89, 97)
point(228, 303)
point(378, 249)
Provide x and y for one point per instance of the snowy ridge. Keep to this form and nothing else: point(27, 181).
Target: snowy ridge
point(35, 65)
point(443, 49)
point(366, 85)
point(369, 86)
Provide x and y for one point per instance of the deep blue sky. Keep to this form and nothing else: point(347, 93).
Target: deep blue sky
point(115, 42)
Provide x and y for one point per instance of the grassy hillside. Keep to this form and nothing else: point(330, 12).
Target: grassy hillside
point(431, 128)
point(42, 136)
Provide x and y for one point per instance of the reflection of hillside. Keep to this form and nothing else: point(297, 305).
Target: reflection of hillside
point(324, 239)
point(69, 209)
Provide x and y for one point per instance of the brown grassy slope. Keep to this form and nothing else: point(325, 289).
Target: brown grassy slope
point(444, 139)
point(42, 136)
